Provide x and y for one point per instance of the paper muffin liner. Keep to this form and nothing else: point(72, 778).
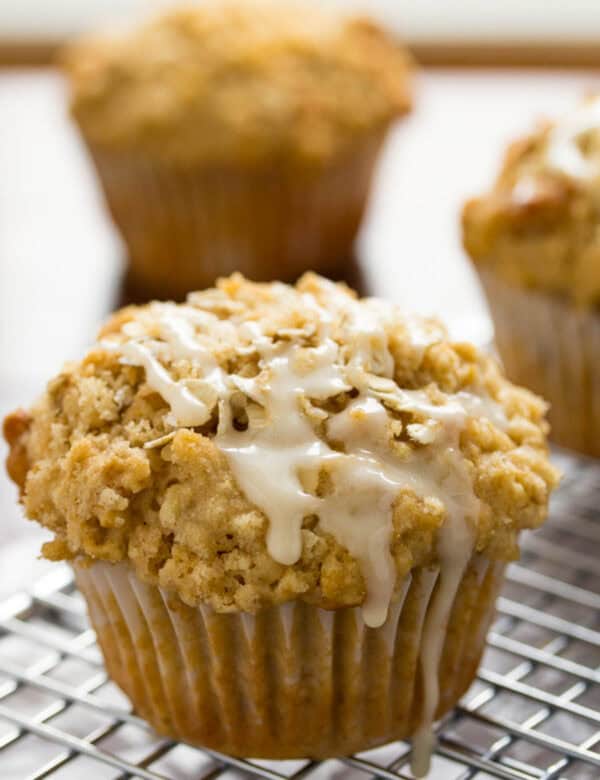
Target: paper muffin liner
point(184, 227)
point(293, 680)
point(553, 348)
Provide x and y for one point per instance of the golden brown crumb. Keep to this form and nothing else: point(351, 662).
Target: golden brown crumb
point(239, 82)
point(103, 466)
point(538, 225)
point(14, 428)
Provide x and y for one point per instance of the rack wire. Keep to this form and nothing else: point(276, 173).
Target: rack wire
point(532, 713)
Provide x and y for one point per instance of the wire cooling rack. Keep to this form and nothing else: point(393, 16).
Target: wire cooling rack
point(533, 712)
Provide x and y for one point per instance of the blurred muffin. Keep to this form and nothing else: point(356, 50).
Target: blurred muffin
point(289, 511)
point(237, 136)
point(535, 241)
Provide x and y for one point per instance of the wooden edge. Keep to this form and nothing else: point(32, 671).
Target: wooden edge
point(459, 54)
point(538, 55)
point(19, 53)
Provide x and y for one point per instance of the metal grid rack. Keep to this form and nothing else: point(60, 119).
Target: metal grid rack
point(533, 712)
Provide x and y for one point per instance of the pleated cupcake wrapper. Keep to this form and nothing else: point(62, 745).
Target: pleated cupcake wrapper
point(291, 681)
point(185, 227)
point(553, 348)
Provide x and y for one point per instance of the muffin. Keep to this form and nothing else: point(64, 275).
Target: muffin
point(535, 242)
point(237, 136)
point(289, 511)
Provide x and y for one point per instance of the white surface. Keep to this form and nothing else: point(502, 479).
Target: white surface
point(418, 20)
point(49, 207)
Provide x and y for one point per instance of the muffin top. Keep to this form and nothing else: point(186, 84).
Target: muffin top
point(239, 82)
point(262, 443)
point(538, 226)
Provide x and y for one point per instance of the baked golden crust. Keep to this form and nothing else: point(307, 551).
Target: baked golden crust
point(239, 82)
point(538, 225)
point(102, 465)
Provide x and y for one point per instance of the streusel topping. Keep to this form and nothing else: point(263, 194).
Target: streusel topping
point(262, 442)
point(538, 226)
point(239, 82)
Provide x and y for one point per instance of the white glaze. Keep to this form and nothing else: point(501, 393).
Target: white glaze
point(423, 744)
point(186, 409)
point(274, 459)
point(563, 152)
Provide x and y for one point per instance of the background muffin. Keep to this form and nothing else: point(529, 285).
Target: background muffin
point(237, 136)
point(535, 241)
point(289, 511)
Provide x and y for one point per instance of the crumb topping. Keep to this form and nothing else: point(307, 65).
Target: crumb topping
point(239, 82)
point(538, 226)
point(261, 443)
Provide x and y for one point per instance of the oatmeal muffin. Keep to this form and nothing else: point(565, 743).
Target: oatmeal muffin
point(237, 136)
point(535, 241)
point(289, 511)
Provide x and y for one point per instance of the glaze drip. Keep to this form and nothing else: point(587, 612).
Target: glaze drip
point(563, 151)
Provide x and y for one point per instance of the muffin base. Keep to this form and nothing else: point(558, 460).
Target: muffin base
point(183, 227)
point(293, 681)
point(553, 348)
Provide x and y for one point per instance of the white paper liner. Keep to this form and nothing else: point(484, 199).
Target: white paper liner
point(553, 348)
point(293, 681)
point(184, 227)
